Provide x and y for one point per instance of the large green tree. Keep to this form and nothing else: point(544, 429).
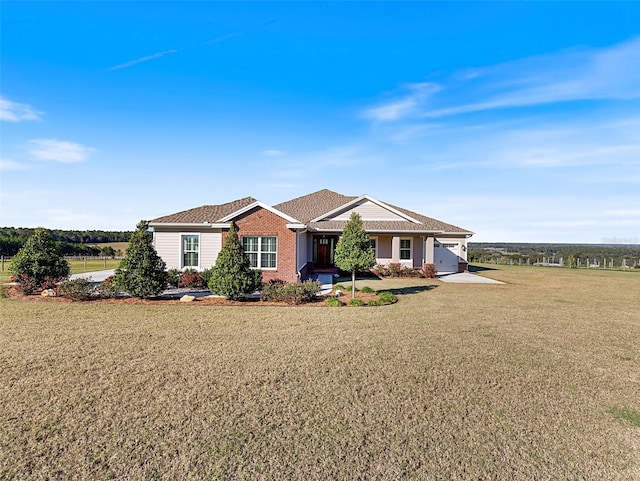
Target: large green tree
point(232, 275)
point(142, 273)
point(40, 261)
point(353, 251)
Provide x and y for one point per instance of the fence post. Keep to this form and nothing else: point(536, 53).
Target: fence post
point(105, 263)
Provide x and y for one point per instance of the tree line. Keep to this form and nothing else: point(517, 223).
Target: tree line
point(68, 242)
point(530, 253)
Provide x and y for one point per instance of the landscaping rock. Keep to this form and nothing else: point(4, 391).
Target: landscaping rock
point(48, 293)
point(339, 293)
point(187, 298)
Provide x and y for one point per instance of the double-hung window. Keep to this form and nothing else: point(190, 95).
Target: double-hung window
point(405, 249)
point(190, 250)
point(261, 251)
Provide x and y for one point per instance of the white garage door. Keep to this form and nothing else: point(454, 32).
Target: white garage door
point(446, 257)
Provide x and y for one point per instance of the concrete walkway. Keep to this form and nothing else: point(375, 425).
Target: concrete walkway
point(96, 276)
point(467, 278)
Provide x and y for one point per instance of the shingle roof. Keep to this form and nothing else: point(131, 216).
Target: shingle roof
point(313, 205)
point(205, 213)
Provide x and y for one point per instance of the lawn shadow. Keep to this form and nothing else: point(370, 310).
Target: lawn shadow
point(401, 291)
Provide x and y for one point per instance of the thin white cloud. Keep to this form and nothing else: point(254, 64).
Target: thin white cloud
point(59, 151)
point(16, 112)
point(9, 165)
point(578, 74)
point(146, 58)
point(413, 99)
point(272, 153)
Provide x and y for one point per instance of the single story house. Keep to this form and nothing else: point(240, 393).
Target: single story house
point(296, 238)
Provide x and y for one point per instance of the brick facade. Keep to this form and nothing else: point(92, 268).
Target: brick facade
point(261, 222)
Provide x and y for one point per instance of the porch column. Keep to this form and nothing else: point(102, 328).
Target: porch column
point(395, 248)
point(429, 255)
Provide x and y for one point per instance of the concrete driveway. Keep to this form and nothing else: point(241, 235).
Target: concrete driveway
point(96, 276)
point(467, 278)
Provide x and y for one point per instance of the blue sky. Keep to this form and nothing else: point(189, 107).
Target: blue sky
point(519, 121)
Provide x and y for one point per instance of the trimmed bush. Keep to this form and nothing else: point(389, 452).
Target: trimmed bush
point(374, 303)
point(232, 275)
point(349, 288)
point(429, 271)
point(333, 302)
point(367, 290)
point(142, 272)
point(356, 302)
point(387, 298)
point(395, 269)
point(39, 264)
point(173, 277)
point(339, 287)
point(295, 293)
point(191, 278)
point(206, 275)
point(107, 289)
point(77, 289)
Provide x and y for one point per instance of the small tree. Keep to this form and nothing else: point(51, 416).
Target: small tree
point(353, 251)
point(142, 271)
point(232, 276)
point(39, 263)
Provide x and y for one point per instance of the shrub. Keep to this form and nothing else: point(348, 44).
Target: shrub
point(374, 302)
point(367, 290)
point(141, 272)
point(271, 290)
point(191, 278)
point(349, 288)
point(232, 275)
point(333, 302)
point(26, 284)
point(173, 277)
point(295, 293)
point(338, 287)
point(106, 289)
point(429, 271)
point(206, 275)
point(38, 262)
point(387, 298)
point(395, 269)
point(356, 302)
point(77, 289)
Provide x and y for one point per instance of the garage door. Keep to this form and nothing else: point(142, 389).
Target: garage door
point(445, 257)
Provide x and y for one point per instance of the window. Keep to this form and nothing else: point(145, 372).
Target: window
point(373, 243)
point(190, 250)
point(261, 251)
point(405, 249)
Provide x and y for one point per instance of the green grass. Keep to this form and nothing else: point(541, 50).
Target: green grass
point(626, 414)
point(454, 381)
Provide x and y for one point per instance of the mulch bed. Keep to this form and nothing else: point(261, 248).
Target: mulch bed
point(13, 293)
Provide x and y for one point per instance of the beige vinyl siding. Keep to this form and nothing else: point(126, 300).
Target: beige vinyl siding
point(210, 245)
point(384, 249)
point(368, 211)
point(167, 246)
point(418, 248)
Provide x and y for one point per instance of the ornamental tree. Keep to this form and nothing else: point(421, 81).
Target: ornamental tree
point(142, 271)
point(353, 251)
point(39, 263)
point(232, 276)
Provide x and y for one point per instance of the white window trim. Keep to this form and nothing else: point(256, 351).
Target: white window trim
point(259, 251)
point(181, 247)
point(410, 259)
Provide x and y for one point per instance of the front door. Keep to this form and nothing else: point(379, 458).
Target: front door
point(323, 248)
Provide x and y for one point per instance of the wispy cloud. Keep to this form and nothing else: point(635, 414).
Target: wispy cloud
point(59, 151)
point(578, 74)
point(146, 58)
point(272, 153)
point(11, 165)
point(16, 112)
point(410, 102)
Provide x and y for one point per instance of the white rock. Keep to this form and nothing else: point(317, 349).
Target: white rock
point(187, 298)
point(48, 293)
point(339, 293)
